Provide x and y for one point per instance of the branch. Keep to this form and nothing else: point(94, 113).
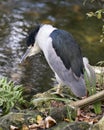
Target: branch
point(90, 100)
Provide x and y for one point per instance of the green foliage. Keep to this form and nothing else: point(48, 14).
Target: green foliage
point(101, 76)
point(91, 91)
point(91, 87)
point(70, 111)
point(97, 107)
point(99, 14)
point(10, 95)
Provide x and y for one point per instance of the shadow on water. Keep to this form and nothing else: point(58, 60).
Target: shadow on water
point(17, 17)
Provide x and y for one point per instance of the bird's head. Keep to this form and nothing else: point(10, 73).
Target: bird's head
point(33, 47)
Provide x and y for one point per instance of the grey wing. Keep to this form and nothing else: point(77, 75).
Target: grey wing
point(65, 60)
point(68, 50)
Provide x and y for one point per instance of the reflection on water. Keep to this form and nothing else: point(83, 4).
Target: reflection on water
point(17, 17)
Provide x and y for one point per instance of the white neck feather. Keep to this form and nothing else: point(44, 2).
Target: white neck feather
point(43, 35)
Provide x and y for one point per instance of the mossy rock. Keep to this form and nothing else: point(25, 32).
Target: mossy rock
point(17, 119)
point(71, 126)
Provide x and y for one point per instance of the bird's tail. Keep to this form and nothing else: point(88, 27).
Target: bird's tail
point(78, 87)
point(90, 73)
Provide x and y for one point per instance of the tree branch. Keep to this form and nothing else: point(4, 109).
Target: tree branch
point(90, 100)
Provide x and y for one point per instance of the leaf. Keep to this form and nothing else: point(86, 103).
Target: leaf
point(13, 127)
point(97, 107)
point(10, 95)
point(98, 14)
point(39, 119)
point(49, 122)
point(90, 14)
point(33, 126)
point(25, 127)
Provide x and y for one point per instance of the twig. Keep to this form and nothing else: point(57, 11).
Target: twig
point(90, 100)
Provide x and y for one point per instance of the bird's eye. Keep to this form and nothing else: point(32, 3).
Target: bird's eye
point(32, 44)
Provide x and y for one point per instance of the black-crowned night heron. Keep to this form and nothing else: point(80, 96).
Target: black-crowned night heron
point(62, 54)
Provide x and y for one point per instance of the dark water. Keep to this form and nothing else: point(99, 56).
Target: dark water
point(17, 17)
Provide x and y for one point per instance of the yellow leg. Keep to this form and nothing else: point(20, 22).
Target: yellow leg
point(59, 90)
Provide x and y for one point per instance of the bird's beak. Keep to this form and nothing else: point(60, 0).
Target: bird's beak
point(27, 54)
point(32, 50)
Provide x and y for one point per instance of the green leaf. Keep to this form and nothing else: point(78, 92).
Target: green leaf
point(10, 95)
point(98, 14)
point(97, 107)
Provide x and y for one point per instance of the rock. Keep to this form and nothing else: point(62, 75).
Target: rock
point(71, 126)
point(9, 119)
point(17, 119)
point(20, 119)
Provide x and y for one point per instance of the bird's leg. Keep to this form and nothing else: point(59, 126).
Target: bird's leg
point(59, 90)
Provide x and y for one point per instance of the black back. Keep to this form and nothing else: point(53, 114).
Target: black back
point(32, 35)
point(68, 50)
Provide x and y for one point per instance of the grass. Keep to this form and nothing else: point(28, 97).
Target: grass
point(10, 95)
point(92, 90)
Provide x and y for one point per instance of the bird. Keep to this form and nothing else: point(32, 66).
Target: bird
point(62, 53)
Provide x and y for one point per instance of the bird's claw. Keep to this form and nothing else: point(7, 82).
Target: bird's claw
point(58, 91)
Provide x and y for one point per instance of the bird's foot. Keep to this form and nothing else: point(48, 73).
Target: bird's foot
point(58, 91)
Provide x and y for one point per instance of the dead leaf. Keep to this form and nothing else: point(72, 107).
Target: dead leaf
point(49, 122)
point(13, 127)
point(25, 127)
point(33, 126)
point(66, 119)
point(42, 124)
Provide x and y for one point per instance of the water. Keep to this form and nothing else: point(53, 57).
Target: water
point(17, 17)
